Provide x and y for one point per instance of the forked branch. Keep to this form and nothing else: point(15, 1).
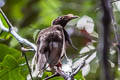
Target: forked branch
point(13, 32)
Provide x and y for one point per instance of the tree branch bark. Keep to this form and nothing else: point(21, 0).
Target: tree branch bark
point(104, 40)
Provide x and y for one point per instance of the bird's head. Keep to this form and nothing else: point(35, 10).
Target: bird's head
point(63, 20)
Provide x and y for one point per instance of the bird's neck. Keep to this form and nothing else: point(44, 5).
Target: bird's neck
point(62, 23)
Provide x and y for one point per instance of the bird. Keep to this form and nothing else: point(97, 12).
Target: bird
point(51, 43)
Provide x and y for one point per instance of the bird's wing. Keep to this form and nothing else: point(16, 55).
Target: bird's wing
point(41, 56)
point(49, 47)
point(67, 38)
point(55, 40)
point(55, 53)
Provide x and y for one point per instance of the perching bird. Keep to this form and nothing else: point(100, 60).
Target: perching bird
point(51, 43)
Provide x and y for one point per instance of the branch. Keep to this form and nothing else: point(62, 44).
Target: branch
point(54, 75)
point(23, 53)
point(75, 70)
point(87, 60)
point(104, 40)
point(78, 69)
point(63, 74)
point(12, 31)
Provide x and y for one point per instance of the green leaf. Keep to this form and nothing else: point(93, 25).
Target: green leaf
point(79, 76)
point(15, 75)
point(57, 78)
point(4, 35)
point(4, 21)
point(10, 62)
point(3, 73)
point(10, 69)
point(8, 66)
point(46, 74)
point(13, 42)
point(24, 71)
point(94, 65)
point(5, 50)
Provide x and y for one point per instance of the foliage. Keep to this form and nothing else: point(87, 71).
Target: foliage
point(11, 64)
point(29, 17)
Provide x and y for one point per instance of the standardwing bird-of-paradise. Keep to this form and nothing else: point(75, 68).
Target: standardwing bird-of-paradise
point(51, 44)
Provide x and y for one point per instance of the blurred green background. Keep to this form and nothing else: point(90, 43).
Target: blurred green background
point(29, 16)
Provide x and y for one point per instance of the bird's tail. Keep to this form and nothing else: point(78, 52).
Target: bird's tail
point(38, 65)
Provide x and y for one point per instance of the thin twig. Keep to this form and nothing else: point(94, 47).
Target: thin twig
point(62, 73)
point(78, 69)
point(26, 50)
point(87, 60)
point(54, 75)
point(23, 53)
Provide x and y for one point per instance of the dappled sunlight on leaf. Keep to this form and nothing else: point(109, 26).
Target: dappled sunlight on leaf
point(10, 60)
point(10, 68)
point(79, 76)
point(5, 50)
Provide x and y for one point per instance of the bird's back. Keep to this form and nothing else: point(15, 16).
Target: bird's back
point(49, 46)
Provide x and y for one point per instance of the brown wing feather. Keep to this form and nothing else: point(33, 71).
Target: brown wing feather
point(55, 53)
point(49, 47)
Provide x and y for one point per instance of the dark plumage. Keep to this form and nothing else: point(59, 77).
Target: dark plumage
point(50, 43)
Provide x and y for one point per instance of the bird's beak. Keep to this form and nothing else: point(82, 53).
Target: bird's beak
point(73, 17)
